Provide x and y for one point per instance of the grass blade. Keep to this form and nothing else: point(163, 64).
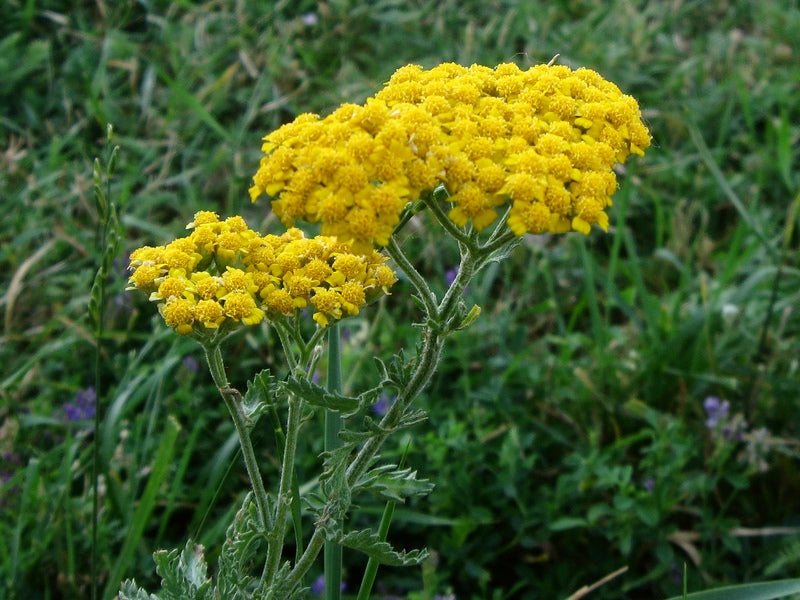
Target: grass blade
point(749, 591)
point(144, 510)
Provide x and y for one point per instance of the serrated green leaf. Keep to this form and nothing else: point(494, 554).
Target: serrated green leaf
point(319, 396)
point(374, 428)
point(334, 466)
point(349, 436)
point(262, 393)
point(242, 542)
point(398, 370)
point(412, 417)
point(167, 567)
point(194, 566)
point(183, 573)
point(501, 253)
point(130, 591)
point(393, 483)
point(369, 543)
point(382, 368)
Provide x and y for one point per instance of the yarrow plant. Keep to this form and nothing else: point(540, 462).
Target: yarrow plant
point(491, 154)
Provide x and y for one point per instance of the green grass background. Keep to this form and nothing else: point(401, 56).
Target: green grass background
point(566, 429)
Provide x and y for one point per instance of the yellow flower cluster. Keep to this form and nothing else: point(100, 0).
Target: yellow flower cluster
point(225, 273)
point(543, 141)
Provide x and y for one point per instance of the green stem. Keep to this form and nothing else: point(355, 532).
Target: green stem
point(285, 335)
point(333, 425)
point(278, 530)
point(98, 336)
point(454, 230)
point(428, 359)
point(466, 270)
point(417, 280)
point(372, 564)
point(233, 401)
point(305, 562)
point(497, 241)
point(432, 344)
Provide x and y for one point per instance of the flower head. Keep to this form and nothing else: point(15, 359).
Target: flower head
point(227, 275)
point(542, 142)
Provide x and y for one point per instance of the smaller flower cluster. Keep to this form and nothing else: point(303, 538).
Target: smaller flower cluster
point(224, 274)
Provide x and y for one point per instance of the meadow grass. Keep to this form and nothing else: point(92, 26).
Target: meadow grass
point(567, 432)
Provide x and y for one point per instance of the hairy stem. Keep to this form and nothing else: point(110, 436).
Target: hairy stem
point(278, 530)
point(306, 561)
point(454, 230)
point(333, 425)
point(417, 280)
point(427, 361)
point(233, 401)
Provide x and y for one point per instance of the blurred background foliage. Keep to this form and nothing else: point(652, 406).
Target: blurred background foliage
point(624, 400)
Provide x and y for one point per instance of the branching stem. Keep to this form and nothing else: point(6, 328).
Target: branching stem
point(233, 401)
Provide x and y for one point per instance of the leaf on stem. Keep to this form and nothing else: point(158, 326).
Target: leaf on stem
point(319, 396)
point(397, 371)
point(393, 483)
point(240, 550)
point(262, 392)
point(412, 417)
point(130, 591)
point(465, 317)
point(184, 573)
point(368, 542)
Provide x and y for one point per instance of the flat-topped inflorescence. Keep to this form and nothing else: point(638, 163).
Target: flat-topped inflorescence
point(540, 142)
point(224, 274)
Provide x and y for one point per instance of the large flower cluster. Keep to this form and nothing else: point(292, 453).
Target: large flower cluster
point(224, 273)
point(542, 141)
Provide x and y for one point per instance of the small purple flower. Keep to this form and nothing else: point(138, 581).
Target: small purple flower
point(649, 484)
point(82, 407)
point(382, 405)
point(318, 587)
point(717, 411)
point(309, 19)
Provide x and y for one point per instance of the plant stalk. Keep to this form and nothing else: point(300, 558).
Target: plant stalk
point(333, 425)
point(278, 530)
point(233, 401)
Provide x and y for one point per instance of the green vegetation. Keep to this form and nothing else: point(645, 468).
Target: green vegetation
point(628, 399)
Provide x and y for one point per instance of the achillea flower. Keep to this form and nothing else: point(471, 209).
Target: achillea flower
point(227, 276)
point(542, 142)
